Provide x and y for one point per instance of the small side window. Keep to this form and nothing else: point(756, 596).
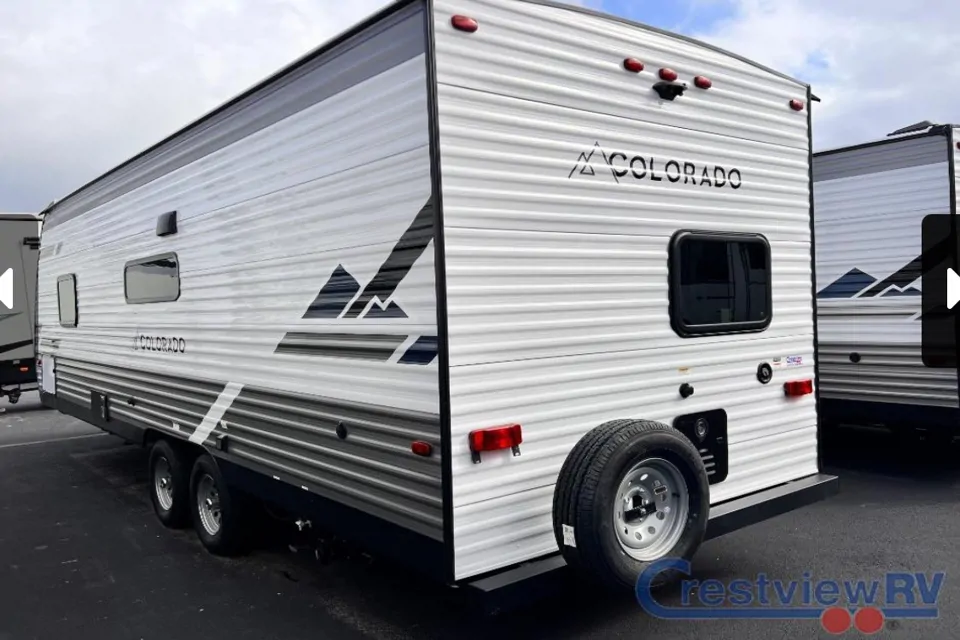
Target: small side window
point(67, 300)
point(719, 283)
point(153, 279)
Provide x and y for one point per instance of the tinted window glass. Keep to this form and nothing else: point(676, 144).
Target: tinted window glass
point(720, 283)
point(67, 300)
point(154, 279)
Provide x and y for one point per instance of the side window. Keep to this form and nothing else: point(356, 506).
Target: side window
point(67, 300)
point(153, 279)
point(719, 283)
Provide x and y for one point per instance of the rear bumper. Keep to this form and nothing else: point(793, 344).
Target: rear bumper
point(531, 581)
point(763, 505)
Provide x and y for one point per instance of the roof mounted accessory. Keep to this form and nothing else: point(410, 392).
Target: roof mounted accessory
point(923, 125)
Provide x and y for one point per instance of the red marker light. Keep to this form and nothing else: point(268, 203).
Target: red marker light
point(797, 388)
point(463, 23)
point(796, 105)
point(632, 64)
point(421, 448)
point(702, 83)
point(668, 74)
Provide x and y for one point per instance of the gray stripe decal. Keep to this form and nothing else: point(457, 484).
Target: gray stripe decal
point(209, 422)
point(341, 345)
point(897, 154)
point(355, 453)
point(394, 41)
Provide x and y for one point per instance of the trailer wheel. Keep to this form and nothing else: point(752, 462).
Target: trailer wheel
point(217, 512)
point(631, 492)
point(169, 484)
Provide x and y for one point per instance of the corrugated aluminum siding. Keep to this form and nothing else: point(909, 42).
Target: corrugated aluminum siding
point(557, 272)
point(302, 198)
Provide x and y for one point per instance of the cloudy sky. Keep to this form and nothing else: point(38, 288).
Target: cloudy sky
point(85, 84)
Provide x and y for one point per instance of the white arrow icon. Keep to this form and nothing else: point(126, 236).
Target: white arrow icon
point(6, 289)
point(953, 288)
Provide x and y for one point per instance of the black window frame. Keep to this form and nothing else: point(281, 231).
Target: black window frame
point(72, 277)
point(717, 329)
point(141, 261)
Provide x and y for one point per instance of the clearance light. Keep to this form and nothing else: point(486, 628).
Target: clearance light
point(797, 388)
point(796, 105)
point(632, 64)
point(24, 369)
point(496, 439)
point(463, 23)
point(702, 83)
point(668, 74)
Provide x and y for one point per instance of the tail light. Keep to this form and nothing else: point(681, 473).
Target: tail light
point(797, 388)
point(796, 105)
point(496, 439)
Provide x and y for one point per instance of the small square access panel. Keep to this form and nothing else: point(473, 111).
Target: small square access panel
point(707, 431)
point(167, 224)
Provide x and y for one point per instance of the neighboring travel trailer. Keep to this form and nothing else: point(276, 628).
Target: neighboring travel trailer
point(19, 245)
point(870, 202)
point(491, 287)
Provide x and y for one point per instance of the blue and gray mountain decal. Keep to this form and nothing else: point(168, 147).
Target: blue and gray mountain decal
point(857, 283)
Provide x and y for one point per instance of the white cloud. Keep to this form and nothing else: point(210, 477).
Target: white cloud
point(85, 84)
point(877, 66)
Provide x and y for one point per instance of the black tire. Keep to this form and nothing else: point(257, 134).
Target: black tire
point(178, 514)
point(229, 539)
point(587, 488)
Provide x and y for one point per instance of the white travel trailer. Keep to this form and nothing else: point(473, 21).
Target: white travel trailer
point(493, 287)
point(19, 244)
point(870, 203)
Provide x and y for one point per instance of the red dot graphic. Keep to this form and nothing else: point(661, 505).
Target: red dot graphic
point(836, 620)
point(869, 620)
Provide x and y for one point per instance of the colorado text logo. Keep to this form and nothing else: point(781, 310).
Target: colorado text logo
point(838, 604)
point(637, 167)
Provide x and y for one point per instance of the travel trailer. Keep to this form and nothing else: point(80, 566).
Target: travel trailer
point(492, 287)
point(19, 245)
point(870, 202)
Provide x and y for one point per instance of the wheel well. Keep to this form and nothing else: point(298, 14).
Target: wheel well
point(190, 450)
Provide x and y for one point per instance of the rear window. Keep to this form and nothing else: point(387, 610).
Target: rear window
point(719, 283)
point(153, 279)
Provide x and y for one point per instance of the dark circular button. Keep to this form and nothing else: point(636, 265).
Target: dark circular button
point(341, 431)
point(854, 357)
point(686, 390)
point(764, 373)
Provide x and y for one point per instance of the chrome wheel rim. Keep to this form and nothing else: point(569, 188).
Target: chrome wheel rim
point(651, 509)
point(208, 504)
point(163, 483)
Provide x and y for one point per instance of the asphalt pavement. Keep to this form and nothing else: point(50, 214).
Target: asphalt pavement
point(82, 556)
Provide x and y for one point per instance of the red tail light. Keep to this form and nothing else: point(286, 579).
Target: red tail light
point(702, 82)
point(496, 439)
point(796, 105)
point(24, 369)
point(632, 64)
point(421, 448)
point(668, 74)
point(463, 23)
point(797, 388)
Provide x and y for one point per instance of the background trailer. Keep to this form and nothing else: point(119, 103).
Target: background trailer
point(479, 283)
point(871, 200)
point(19, 245)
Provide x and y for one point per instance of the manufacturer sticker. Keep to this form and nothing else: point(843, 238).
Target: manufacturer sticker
point(794, 361)
point(568, 538)
point(777, 363)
